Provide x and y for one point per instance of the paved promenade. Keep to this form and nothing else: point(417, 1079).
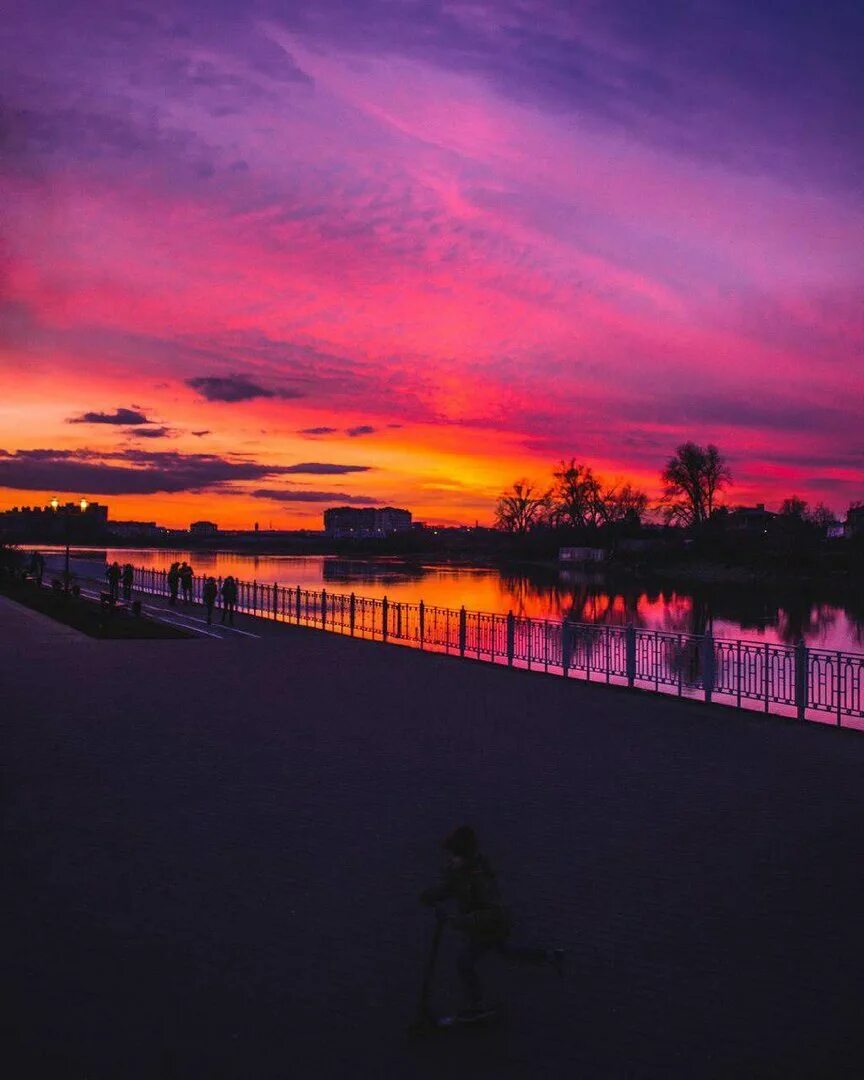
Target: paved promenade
point(213, 848)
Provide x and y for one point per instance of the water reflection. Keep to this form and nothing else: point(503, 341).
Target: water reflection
point(354, 572)
point(769, 614)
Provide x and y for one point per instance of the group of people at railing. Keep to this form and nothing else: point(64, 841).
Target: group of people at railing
point(118, 576)
point(181, 579)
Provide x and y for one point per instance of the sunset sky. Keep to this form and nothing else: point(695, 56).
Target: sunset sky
point(261, 258)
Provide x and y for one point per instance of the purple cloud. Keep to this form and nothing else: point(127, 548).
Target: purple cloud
point(279, 495)
point(361, 429)
point(322, 469)
point(153, 433)
point(234, 388)
point(137, 472)
point(119, 416)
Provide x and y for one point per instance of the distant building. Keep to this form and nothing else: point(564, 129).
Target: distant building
point(855, 521)
point(754, 520)
point(76, 520)
point(581, 555)
point(135, 530)
point(204, 528)
point(346, 522)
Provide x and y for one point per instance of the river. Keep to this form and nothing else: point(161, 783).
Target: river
point(771, 615)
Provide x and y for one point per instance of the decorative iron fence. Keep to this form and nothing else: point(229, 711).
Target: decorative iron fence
point(790, 680)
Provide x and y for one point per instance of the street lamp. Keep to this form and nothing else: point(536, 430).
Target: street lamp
point(55, 506)
point(66, 512)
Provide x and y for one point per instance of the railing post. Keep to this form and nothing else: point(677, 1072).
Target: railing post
point(839, 684)
point(421, 613)
point(352, 603)
point(275, 600)
point(463, 630)
point(323, 609)
point(802, 672)
point(708, 665)
point(384, 619)
point(738, 673)
point(630, 651)
point(566, 647)
point(298, 605)
point(399, 621)
point(511, 637)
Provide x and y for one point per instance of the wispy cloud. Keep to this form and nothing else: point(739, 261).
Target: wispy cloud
point(320, 468)
point(139, 472)
point(119, 416)
point(282, 495)
point(234, 388)
point(153, 433)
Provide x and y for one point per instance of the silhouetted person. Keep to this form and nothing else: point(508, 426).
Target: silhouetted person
point(128, 579)
point(37, 566)
point(229, 598)
point(113, 575)
point(186, 578)
point(209, 594)
point(482, 919)
point(173, 582)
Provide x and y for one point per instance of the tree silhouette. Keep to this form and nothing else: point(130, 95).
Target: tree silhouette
point(821, 516)
point(794, 507)
point(577, 499)
point(692, 480)
point(624, 503)
point(521, 508)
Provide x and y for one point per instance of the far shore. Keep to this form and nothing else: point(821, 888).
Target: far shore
point(661, 568)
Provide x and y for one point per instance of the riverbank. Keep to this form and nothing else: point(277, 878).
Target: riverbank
point(213, 856)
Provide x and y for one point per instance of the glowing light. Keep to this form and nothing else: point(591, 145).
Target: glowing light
point(83, 504)
point(55, 502)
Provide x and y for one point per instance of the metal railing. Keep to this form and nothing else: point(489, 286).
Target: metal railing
point(788, 680)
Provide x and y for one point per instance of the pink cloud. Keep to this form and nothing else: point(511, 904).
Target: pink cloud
point(399, 241)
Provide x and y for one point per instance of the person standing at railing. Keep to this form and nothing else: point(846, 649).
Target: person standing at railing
point(128, 578)
point(37, 566)
point(229, 598)
point(173, 582)
point(186, 579)
point(208, 595)
point(112, 573)
point(482, 919)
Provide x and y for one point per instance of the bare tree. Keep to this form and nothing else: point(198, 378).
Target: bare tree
point(692, 480)
point(521, 508)
point(577, 497)
point(794, 507)
point(799, 509)
point(623, 502)
point(821, 516)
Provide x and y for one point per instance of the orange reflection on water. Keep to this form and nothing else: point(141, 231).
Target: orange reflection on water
point(544, 593)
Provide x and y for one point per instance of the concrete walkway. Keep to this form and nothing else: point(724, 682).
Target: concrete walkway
point(213, 851)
